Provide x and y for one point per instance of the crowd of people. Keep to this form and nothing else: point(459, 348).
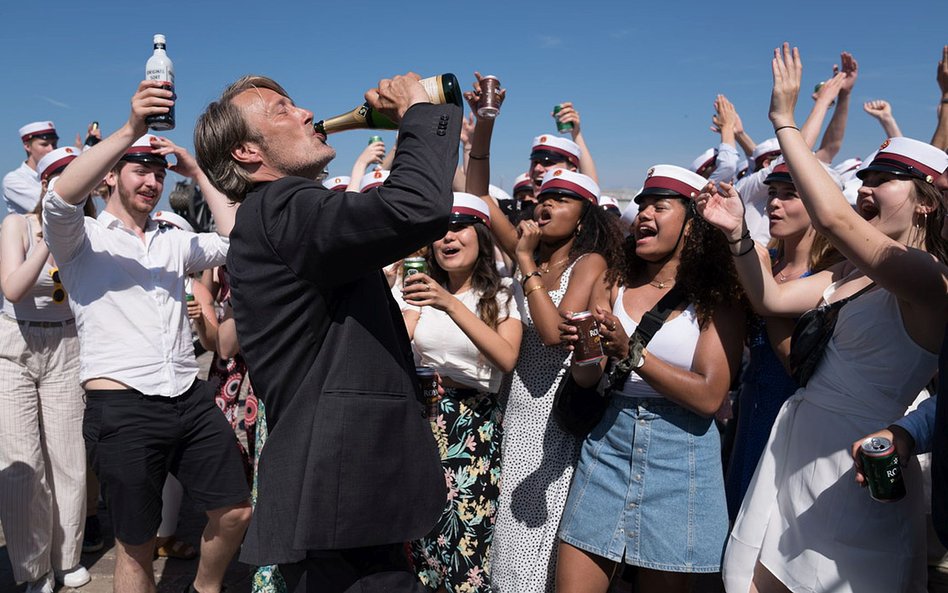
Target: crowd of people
point(761, 313)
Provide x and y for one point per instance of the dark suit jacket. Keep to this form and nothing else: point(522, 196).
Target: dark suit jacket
point(350, 460)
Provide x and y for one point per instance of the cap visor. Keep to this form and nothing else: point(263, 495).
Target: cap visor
point(658, 191)
point(885, 168)
point(779, 177)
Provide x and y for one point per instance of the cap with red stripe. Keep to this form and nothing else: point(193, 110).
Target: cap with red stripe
point(552, 148)
point(337, 183)
point(670, 180)
point(142, 152)
point(912, 158)
point(373, 179)
point(780, 173)
point(175, 220)
point(569, 183)
point(468, 209)
point(769, 148)
point(523, 183)
point(55, 160)
point(39, 129)
point(704, 165)
point(609, 203)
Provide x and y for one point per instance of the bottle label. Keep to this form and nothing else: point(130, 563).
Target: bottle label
point(162, 74)
point(433, 88)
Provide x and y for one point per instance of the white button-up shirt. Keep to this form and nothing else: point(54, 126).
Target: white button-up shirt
point(128, 295)
point(21, 189)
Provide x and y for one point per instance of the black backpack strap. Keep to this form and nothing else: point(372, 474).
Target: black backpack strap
point(654, 318)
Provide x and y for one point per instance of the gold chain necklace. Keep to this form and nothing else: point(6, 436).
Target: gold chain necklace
point(660, 284)
point(546, 269)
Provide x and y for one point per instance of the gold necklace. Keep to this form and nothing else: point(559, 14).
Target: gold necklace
point(660, 284)
point(546, 269)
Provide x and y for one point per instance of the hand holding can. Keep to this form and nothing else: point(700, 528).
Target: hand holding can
point(490, 98)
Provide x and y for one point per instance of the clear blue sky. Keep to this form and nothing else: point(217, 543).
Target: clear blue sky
point(642, 74)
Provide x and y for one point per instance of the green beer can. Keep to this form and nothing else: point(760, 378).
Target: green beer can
point(374, 139)
point(413, 265)
point(880, 465)
point(561, 127)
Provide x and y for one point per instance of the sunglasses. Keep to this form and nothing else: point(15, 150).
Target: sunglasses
point(59, 293)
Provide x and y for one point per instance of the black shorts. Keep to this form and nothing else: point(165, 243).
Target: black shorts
point(134, 440)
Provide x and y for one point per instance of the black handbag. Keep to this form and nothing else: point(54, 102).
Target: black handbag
point(811, 336)
point(579, 409)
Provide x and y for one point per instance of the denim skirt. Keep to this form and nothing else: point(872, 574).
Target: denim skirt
point(649, 489)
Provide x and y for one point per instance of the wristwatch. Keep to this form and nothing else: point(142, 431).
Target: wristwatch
point(636, 351)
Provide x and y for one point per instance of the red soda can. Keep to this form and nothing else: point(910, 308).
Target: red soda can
point(588, 349)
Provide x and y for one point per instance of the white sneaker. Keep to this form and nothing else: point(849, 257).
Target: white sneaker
point(75, 577)
point(44, 584)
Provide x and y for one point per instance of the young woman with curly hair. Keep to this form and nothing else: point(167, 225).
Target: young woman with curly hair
point(649, 488)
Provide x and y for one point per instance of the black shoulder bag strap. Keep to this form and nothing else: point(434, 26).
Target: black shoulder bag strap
point(652, 321)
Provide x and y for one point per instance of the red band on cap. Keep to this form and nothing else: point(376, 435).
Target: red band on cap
point(40, 133)
point(707, 164)
point(910, 162)
point(339, 187)
point(672, 184)
point(470, 212)
point(57, 164)
point(781, 168)
point(142, 149)
point(564, 153)
point(569, 186)
point(760, 159)
point(370, 186)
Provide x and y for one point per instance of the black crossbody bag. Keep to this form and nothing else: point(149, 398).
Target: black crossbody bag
point(579, 409)
point(811, 335)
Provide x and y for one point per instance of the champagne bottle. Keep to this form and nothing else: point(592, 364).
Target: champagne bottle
point(160, 67)
point(441, 89)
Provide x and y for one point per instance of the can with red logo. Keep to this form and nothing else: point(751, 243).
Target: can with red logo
point(588, 349)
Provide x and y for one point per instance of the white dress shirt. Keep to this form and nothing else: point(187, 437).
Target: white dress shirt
point(21, 189)
point(128, 295)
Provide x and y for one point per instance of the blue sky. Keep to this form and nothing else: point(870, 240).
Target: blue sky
point(643, 75)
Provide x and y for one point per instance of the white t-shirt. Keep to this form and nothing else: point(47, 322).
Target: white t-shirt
point(440, 344)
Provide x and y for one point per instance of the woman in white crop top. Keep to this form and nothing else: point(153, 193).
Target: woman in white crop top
point(464, 323)
point(43, 482)
point(649, 488)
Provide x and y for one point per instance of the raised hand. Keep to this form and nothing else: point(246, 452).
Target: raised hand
point(615, 342)
point(392, 97)
point(787, 70)
point(878, 109)
point(850, 71)
point(474, 96)
point(185, 164)
point(151, 98)
point(725, 116)
point(372, 154)
point(529, 237)
point(422, 291)
point(568, 114)
point(942, 74)
point(830, 89)
point(721, 206)
point(467, 129)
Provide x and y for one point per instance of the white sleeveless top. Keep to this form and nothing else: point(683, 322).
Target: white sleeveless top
point(675, 343)
point(38, 304)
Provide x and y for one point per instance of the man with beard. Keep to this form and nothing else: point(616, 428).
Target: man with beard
point(146, 413)
point(350, 470)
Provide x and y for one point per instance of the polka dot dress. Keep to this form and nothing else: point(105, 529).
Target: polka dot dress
point(538, 458)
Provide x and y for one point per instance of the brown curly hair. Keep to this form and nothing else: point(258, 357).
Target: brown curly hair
point(705, 273)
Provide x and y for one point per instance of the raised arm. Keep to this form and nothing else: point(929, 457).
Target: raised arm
point(740, 136)
point(370, 155)
point(823, 99)
point(882, 111)
point(836, 129)
point(912, 275)
point(587, 166)
point(223, 211)
point(726, 162)
point(86, 172)
point(940, 139)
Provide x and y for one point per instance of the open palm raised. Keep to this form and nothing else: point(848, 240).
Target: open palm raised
point(723, 208)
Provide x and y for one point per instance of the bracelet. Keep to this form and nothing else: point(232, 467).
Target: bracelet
point(534, 274)
point(533, 290)
point(783, 127)
point(746, 235)
point(745, 252)
point(480, 157)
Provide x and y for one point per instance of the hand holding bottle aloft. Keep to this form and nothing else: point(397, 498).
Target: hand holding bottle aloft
point(721, 206)
point(787, 70)
point(394, 96)
point(151, 98)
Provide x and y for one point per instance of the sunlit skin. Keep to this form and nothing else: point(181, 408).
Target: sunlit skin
point(657, 226)
point(36, 149)
point(788, 216)
point(538, 169)
point(557, 216)
point(295, 148)
point(886, 201)
point(456, 252)
point(138, 186)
